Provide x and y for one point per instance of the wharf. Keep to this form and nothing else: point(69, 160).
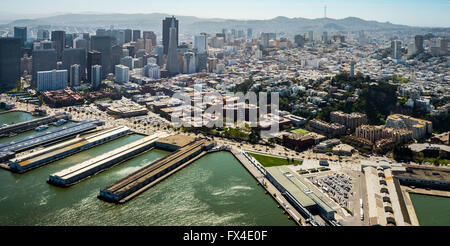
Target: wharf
point(139, 181)
point(79, 172)
point(56, 152)
point(31, 124)
point(269, 187)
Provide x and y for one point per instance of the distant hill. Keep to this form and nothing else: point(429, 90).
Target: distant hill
point(190, 24)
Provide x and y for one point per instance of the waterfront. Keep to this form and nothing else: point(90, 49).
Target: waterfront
point(215, 190)
point(431, 210)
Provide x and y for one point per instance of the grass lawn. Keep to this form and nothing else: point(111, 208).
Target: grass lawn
point(270, 161)
point(440, 161)
point(299, 130)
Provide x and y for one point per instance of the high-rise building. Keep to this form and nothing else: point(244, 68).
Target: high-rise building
point(96, 76)
point(116, 55)
point(168, 23)
point(311, 36)
point(152, 70)
point(43, 60)
point(299, 40)
point(159, 50)
point(75, 56)
point(101, 32)
point(202, 60)
point(122, 74)
point(149, 35)
point(418, 42)
point(69, 41)
point(43, 34)
point(396, 46)
point(52, 80)
point(59, 42)
point(136, 35)
point(189, 63)
point(200, 43)
point(103, 44)
point(128, 62)
point(46, 45)
point(128, 35)
point(10, 53)
point(74, 76)
point(172, 57)
point(21, 33)
point(249, 33)
point(94, 58)
point(325, 37)
point(352, 69)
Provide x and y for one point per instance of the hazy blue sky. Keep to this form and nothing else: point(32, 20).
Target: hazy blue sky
point(409, 12)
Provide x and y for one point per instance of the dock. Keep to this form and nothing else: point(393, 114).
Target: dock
point(9, 149)
point(56, 152)
point(79, 172)
point(31, 124)
point(141, 180)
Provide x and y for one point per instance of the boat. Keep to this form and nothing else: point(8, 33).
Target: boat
point(60, 122)
point(42, 127)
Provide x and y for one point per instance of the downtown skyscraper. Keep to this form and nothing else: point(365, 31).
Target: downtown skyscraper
point(172, 56)
point(167, 24)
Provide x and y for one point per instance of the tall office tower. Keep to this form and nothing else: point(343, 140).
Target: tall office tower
point(396, 46)
point(59, 41)
point(233, 32)
point(159, 50)
point(43, 34)
point(21, 33)
point(140, 44)
point(46, 45)
point(43, 60)
point(52, 80)
point(26, 65)
point(94, 58)
point(136, 35)
point(125, 52)
point(189, 63)
point(119, 35)
point(211, 64)
point(325, 37)
point(311, 36)
point(249, 33)
point(75, 56)
point(96, 76)
point(200, 43)
point(265, 39)
point(101, 32)
point(172, 57)
point(152, 70)
point(299, 40)
point(103, 44)
point(411, 49)
point(116, 55)
point(127, 61)
point(418, 42)
point(148, 47)
point(10, 53)
point(444, 46)
point(240, 34)
point(74, 75)
point(86, 36)
point(437, 47)
point(122, 74)
point(80, 43)
point(168, 23)
point(352, 69)
point(69, 41)
point(128, 35)
point(362, 38)
point(201, 61)
point(150, 35)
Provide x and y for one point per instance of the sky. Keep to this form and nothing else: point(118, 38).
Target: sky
point(430, 13)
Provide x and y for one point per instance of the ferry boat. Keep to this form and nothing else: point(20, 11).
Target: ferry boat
point(60, 122)
point(42, 127)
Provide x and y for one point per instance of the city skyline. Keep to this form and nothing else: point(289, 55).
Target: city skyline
point(412, 13)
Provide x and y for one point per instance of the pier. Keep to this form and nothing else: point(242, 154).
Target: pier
point(141, 180)
point(31, 124)
point(9, 149)
point(64, 149)
point(77, 173)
